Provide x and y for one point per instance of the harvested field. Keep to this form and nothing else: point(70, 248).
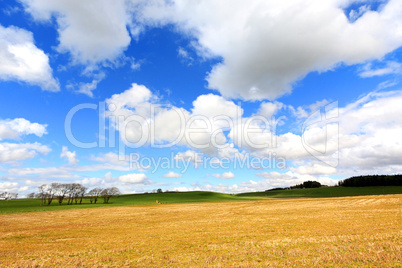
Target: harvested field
point(321, 232)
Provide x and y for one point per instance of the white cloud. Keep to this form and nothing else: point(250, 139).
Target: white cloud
point(386, 84)
point(269, 180)
point(43, 173)
point(314, 169)
point(70, 156)
point(91, 181)
point(21, 60)
point(134, 178)
point(275, 179)
point(183, 53)
point(8, 187)
point(87, 88)
point(172, 174)
point(15, 128)
point(355, 14)
point(111, 158)
point(370, 132)
point(266, 46)
point(211, 105)
point(189, 156)
point(361, 135)
point(225, 175)
point(134, 64)
point(269, 109)
point(170, 124)
point(91, 31)
point(136, 96)
point(13, 152)
point(391, 67)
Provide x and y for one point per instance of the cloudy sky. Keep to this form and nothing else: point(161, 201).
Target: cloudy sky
point(228, 96)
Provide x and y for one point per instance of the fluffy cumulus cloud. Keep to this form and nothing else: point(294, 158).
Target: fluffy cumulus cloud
point(71, 157)
point(13, 152)
point(15, 128)
point(8, 187)
point(362, 135)
point(21, 60)
point(146, 121)
point(91, 31)
point(266, 46)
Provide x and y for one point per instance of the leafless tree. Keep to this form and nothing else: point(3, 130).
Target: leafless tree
point(13, 195)
point(31, 195)
point(42, 193)
point(109, 192)
point(51, 190)
point(60, 191)
point(8, 196)
point(71, 192)
point(79, 192)
point(94, 194)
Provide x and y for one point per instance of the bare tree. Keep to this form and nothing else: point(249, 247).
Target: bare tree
point(13, 195)
point(60, 191)
point(31, 195)
point(79, 192)
point(94, 194)
point(70, 192)
point(73, 192)
point(42, 193)
point(109, 192)
point(50, 193)
point(8, 196)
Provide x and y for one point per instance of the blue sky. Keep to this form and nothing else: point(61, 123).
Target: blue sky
point(245, 97)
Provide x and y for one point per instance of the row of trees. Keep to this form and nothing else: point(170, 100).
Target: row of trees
point(307, 184)
point(8, 196)
point(372, 180)
point(72, 192)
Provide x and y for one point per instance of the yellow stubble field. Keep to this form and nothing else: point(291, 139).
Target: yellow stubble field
point(322, 232)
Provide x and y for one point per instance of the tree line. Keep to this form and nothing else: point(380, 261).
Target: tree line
point(8, 196)
point(74, 193)
point(372, 180)
point(304, 185)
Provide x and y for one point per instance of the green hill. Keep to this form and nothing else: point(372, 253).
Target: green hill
point(326, 192)
point(32, 205)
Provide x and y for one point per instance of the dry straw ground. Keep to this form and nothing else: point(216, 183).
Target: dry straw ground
point(333, 232)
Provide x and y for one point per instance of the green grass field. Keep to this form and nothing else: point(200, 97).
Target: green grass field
point(327, 192)
point(33, 205)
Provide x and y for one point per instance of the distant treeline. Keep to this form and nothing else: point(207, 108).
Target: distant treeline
point(372, 180)
point(72, 192)
point(306, 184)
